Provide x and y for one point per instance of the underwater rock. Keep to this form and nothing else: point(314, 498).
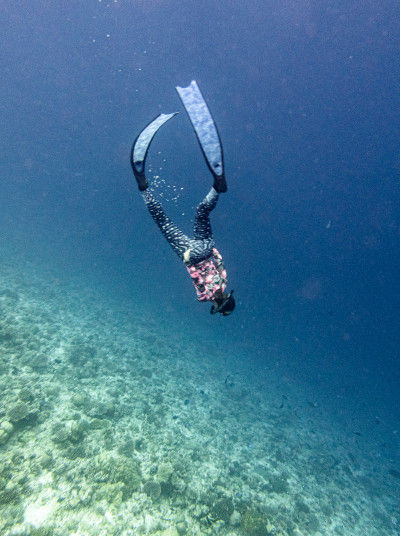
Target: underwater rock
point(126, 447)
point(102, 409)
point(51, 390)
point(181, 526)
point(139, 444)
point(74, 451)
point(171, 531)
point(9, 338)
point(39, 364)
point(150, 524)
point(41, 531)
point(254, 524)
point(111, 493)
point(278, 484)
point(80, 353)
point(46, 460)
point(152, 488)
point(222, 509)
point(235, 519)
point(171, 483)
point(7, 294)
point(18, 411)
point(59, 433)
point(9, 495)
point(115, 468)
point(92, 407)
point(6, 429)
point(164, 472)
point(300, 506)
point(98, 424)
point(81, 400)
point(26, 395)
point(70, 437)
point(145, 373)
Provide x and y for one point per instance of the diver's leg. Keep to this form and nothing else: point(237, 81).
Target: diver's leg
point(202, 226)
point(176, 239)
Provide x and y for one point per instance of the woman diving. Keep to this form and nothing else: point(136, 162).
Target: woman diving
point(203, 261)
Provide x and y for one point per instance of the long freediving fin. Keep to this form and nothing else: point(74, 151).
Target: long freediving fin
point(206, 132)
point(141, 146)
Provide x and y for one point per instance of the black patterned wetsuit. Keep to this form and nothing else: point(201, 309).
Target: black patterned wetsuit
point(202, 243)
point(204, 264)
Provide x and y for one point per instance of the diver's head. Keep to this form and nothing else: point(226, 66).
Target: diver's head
point(224, 303)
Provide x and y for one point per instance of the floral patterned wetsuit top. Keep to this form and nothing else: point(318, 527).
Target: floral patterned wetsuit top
point(208, 276)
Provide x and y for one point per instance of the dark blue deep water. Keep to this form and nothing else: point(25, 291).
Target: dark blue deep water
point(306, 98)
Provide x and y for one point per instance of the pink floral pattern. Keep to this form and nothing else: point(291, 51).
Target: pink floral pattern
point(208, 276)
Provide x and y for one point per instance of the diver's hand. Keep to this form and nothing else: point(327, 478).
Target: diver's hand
point(186, 256)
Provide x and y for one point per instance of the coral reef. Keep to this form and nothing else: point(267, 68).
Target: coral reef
point(109, 428)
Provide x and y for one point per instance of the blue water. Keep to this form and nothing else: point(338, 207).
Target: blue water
point(305, 95)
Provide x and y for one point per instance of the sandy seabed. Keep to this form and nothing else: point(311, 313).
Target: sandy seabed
point(114, 422)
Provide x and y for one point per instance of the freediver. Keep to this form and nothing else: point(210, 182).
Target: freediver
point(203, 261)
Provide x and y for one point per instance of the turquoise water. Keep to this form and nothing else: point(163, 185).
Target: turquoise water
point(115, 422)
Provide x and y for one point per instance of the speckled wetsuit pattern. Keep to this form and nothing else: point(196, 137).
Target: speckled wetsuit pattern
point(202, 243)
